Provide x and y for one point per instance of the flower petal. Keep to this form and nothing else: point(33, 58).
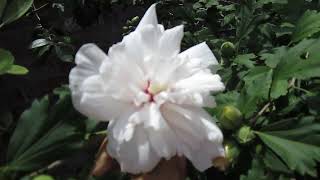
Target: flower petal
point(150, 17)
point(200, 57)
point(88, 60)
point(161, 137)
point(134, 156)
point(169, 44)
point(202, 81)
point(199, 139)
point(92, 100)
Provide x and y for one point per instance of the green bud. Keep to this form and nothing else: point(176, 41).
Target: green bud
point(230, 118)
point(245, 135)
point(232, 151)
point(43, 177)
point(125, 28)
point(135, 19)
point(228, 49)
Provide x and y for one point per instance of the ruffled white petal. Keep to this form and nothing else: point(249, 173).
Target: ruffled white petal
point(88, 60)
point(88, 88)
point(200, 56)
point(150, 17)
point(169, 44)
point(134, 156)
point(200, 140)
point(203, 81)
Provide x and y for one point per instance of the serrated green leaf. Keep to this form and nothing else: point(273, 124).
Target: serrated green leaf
point(258, 82)
point(6, 61)
point(45, 134)
point(307, 25)
point(301, 61)
point(298, 156)
point(247, 104)
point(245, 59)
point(279, 88)
point(17, 70)
point(305, 130)
point(257, 87)
point(15, 9)
point(274, 163)
point(272, 59)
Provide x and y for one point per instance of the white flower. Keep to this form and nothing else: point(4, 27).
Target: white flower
point(152, 95)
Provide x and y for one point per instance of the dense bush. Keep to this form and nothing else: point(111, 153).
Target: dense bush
point(269, 61)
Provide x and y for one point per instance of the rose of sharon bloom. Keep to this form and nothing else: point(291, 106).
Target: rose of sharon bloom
point(152, 95)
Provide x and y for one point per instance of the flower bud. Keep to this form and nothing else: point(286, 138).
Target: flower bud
point(232, 151)
point(230, 118)
point(43, 177)
point(245, 135)
point(227, 49)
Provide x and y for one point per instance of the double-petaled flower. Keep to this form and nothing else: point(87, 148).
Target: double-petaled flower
point(152, 95)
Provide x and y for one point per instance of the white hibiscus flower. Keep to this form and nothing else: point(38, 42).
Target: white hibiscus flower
point(152, 95)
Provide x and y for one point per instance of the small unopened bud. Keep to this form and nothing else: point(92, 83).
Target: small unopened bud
point(228, 49)
point(245, 135)
point(230, 118)
point(43, 177)
point(232, 151)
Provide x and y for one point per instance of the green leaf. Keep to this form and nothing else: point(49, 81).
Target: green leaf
point(15, 9)
point(17, 70)
point(6, 61)
point(257, 86)
point(256, 172)
point(272, 59)
point(274, 163)
point(3, 4)
point(298, 156)
point(39, 43)
point(301, 61)
point(245, 59)
point(258, 82)
point(279, 88)
point(45, 134)
point(305, 130)
point(307, 25)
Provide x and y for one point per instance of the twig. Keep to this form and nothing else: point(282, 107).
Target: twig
point(264, 108)
point(50, 166)
point(36, 14)
point(37, 9)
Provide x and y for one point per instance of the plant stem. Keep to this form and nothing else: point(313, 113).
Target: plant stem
point(263, 109)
